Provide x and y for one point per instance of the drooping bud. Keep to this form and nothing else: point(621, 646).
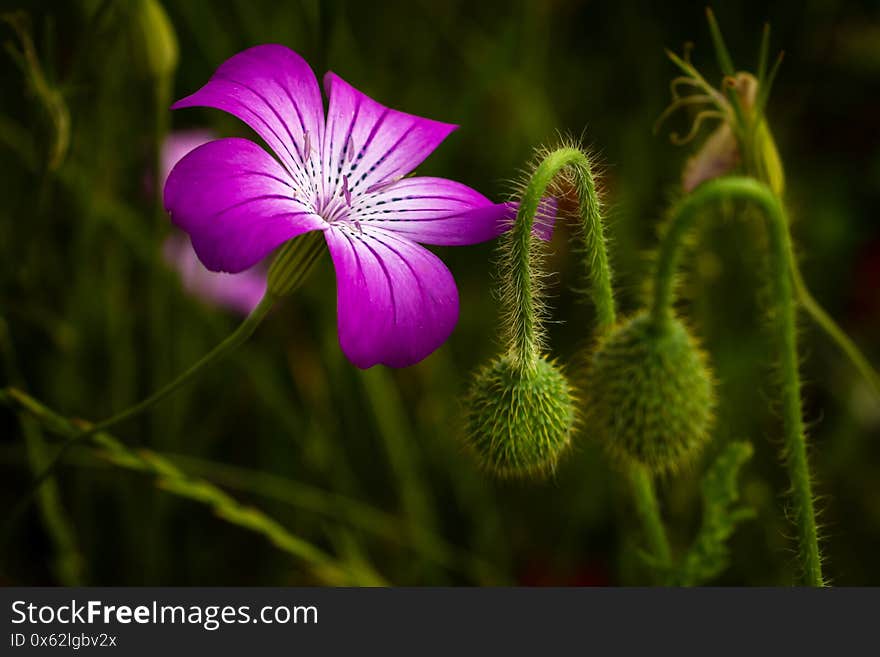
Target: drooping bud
point(742, 139)
point(750, 144)
point(521, 409)
point(763, 157)
point(294, 262)
point(519, 421)
point(153, 40)
point(650, 394)
point(718, 155)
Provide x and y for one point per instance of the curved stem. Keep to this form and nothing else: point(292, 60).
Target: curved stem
point(827, 324)
point(68, 560)
point(782, 267)
point(649, 511)
point(521, 296)
point(593, 230)
point(239, 336)
point(181, 484)
point(818, 314)
point(521, 288)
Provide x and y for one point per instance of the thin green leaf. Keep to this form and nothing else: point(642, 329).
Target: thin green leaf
point(763, 54)
point(765, 88)
point(322, 566)
point(725, 63)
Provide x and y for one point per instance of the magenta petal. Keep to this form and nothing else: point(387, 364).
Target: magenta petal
point(239, 293)
point(236, 202)
point(177, 144)
point(397, 302)
point(444, 212)
point(370, 144)
point(433, 211)
point(275, 92)
point(545, 217)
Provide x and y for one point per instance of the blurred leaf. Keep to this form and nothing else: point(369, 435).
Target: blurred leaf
point(172, 479)
point(708, 555)
point(48, 96)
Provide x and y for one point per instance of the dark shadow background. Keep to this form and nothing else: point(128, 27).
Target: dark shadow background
point(368, 466)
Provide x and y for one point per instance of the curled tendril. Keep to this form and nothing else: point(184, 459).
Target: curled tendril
point(687, 50)
point(678, 103)
point(714, 102)
point(676, 139)
point(681, 80)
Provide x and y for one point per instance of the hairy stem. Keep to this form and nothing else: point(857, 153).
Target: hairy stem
point(782, 266)
point(593, 232)
point(521, 288)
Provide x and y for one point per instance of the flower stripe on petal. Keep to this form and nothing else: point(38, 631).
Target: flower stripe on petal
point(397, 302)
point(234, 200)
point(275, 92)
point(385, 144)
point(443, 212)
point(434, 211)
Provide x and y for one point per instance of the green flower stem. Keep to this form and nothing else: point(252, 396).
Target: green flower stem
point(827, 324)
point(162, 362)
point(68, 561)
point(521, 293)
point(159, 300)
point(683, 218)
point(397, 434)
point(238, 337)
point(172, 479)
point(649, 512)
point(244, 331)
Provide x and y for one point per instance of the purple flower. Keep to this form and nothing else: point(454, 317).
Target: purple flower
point(342, 174)
point(240, 292)
point(177, 144)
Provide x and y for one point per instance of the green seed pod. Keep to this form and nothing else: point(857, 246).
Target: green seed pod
point(651, 394)
point(519, 420)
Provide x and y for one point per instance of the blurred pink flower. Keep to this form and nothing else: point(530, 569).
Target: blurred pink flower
point(177, 144)
point(239, 292)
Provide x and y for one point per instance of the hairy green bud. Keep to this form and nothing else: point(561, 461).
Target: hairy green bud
point(650, 393)
point(519, 420)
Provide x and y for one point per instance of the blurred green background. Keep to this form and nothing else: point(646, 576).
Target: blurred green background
point(366, 469)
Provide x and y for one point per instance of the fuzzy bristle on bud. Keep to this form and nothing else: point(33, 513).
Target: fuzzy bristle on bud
point(519, 420)
point(650, 394)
